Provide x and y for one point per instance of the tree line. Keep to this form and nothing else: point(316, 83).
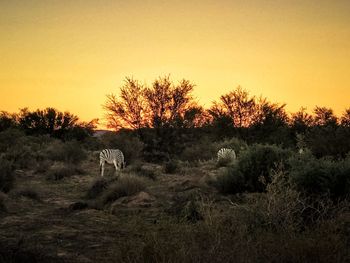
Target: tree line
point(49, 121)
point(166, 115)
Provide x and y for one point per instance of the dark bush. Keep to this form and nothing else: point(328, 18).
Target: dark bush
point(2, 205)
point(97, 187)
point(142, 171)
point(251, 173)
point(230, 181)
point(9, 137)
point(233, 143)
point(256, 162)
point(320, 176)
point(171, 167)
point(7, 176)
point(68, 152)
point(58, 172)
point(126, 141)
point(125, 186)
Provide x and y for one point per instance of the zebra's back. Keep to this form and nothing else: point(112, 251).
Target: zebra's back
point(111, 155)
point(226, 153)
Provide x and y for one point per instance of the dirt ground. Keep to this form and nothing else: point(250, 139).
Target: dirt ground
point(55, 229)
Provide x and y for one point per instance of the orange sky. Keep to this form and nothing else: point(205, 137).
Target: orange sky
point(70, 54)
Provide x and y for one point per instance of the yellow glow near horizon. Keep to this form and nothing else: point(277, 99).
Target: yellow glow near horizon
point(70, 54)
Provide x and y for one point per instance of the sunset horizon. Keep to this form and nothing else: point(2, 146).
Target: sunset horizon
point(71, 55)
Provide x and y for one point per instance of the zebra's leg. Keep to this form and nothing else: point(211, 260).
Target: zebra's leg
point(116, 167)
point(102, 167)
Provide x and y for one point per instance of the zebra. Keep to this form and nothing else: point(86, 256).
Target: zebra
point(226, 155)
point(111, 156)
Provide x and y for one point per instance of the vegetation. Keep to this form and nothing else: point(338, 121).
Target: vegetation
point(124, 186)
point(285, 198)
point(7, 177)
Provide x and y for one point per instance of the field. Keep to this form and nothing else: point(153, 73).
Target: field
point(177, 217)
point(271, 204)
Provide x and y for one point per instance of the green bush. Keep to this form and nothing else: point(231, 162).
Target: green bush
point(7, 176)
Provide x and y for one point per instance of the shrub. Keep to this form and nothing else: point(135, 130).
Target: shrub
point(231, 180)
point(234, 143)
point(206, 149)
point(125, 186)
point(125, 141)
point(142, 171)
point(8, 138)
point(252, 170)
point(171, 167)
point(21, 155)
point(202, 149)
point(68, 152)
point(256, 162)
point(7, 176)
point(60, 171)
point(97, 187)
point(320, 176)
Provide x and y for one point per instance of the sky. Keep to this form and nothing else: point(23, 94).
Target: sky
point(71, 54)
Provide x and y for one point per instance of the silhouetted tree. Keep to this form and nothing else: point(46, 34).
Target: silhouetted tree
point(324, 117)
point(62, 125)
point(300, 121)
point(169, 103)
point(345, 118)
point(270, 124)
point(7, 120)
point(129, 109)
point(236, 105)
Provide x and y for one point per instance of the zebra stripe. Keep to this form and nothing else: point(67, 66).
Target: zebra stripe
point(111, 156)
point(226, 154)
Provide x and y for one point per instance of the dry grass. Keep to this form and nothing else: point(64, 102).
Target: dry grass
point(264, 227)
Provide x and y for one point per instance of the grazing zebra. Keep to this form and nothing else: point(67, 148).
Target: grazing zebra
point(226, 155)
point(111, 156)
